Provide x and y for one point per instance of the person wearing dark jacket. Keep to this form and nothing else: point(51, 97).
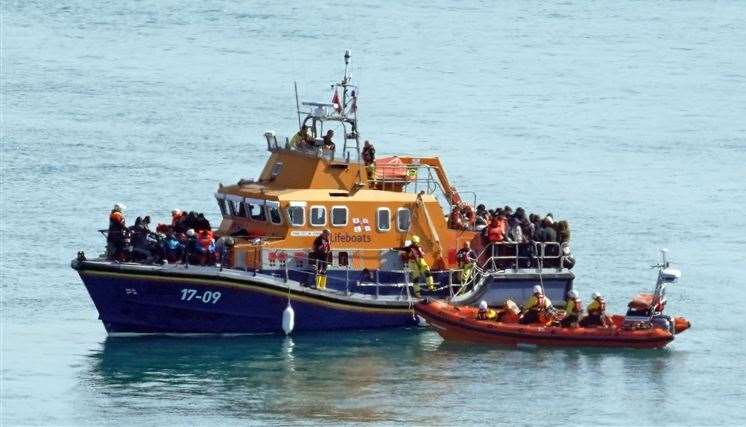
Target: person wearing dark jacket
point(322, 253)
point(369, 158)
point(115, 237)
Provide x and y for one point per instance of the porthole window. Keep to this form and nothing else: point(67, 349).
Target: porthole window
point(383, 219)
point(296, 215)
point(339, 216)
point(403, 219)
point(318, 216)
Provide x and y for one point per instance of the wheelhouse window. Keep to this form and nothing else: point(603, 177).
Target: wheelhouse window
point(243, 209)
point(221, 204)
point(383, 219)
point(273, 209)
point(235, 205)
point(296, 214)
point(255, 210)
point(318, 216)
point(403, 219)
point(339, 216)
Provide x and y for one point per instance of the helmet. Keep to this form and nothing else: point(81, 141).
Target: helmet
point(596, 295)
point(416, 239)
point(119, 207)
point(190, 232)
point(483, 305)
point(572, 294)
point(537, 289)
point(176, 212)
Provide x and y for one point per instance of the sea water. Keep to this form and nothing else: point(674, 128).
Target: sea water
point(625, 118)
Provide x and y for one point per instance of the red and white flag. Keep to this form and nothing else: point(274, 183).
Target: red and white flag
point(335, 101)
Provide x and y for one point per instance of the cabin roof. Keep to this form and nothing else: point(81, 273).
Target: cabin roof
point(258, 191)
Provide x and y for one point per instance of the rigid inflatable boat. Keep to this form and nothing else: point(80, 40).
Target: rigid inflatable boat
point(644, 325)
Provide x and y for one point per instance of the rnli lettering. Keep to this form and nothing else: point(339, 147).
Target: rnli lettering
point(349, 238)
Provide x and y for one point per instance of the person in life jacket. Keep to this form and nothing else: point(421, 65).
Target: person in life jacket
point(485, 313)
point(417, 264)
point(596, 312)
point(115, 237)
point(299, 140)
point(322, 253)
point(206, 247)
point(573, 310)
point(536, 307)
point(369, 158)
point(498, 228)
point(466, 259)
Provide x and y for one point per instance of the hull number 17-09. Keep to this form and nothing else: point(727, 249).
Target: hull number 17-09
point(207, 297)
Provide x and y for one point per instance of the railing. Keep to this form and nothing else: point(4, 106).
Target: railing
point(503, 255)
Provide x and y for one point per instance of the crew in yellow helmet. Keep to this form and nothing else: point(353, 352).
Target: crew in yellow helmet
point(417, 264)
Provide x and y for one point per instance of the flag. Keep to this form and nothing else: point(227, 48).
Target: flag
point(335, 101)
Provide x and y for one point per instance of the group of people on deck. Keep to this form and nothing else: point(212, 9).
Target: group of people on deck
point(538, 309)
point(514, 233)
point(187, 239)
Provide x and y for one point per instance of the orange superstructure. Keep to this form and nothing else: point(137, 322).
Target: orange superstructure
point(299, 193)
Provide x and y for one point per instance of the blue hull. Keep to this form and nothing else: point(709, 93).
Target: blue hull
point(136, 303)
point(140, 299)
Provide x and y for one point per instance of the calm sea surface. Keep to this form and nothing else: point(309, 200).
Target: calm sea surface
point(626, 118)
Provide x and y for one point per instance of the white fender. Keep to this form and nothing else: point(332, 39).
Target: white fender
point(288, 319)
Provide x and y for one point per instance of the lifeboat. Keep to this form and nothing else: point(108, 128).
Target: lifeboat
point(241, 277)
point(644, 326)
point(460, 323)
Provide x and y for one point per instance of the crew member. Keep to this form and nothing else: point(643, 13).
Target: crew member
point(328, 143)
point(485, 312)
point(536, 307)
point(116, 234)
point(573, 310)
point(417, 264)
point(466, 259)
point(369, 158)
point(322, 252)
point(299, 140)
point(596, 312)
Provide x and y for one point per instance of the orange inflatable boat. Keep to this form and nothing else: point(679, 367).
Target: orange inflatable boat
point(460, 323)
